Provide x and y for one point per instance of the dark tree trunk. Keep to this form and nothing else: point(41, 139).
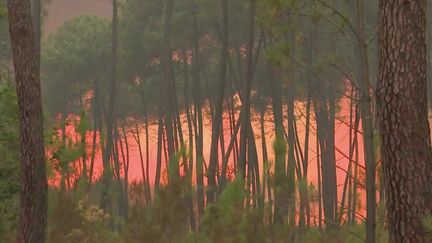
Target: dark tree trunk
point(198, 128)
point(147, 145)
point(245, 95)
point(280, 192)
point(403, 118)
point(263, 147)
point(98, 127)
point(306, 160)
point(188, 161)
point(366, 115)
point(217, 117)
point(93, 151)
point(36, 16)
point(125, 158)
point(110, 118)
point(34, 186)
point(146, 179)
point(226, 156)
point(141, 156)
point(291, 161)
point(83, 144)
point(324, 110)
point(159, 152)
point(121, 202)
point(319, 199)
point(168, 82)
point(355, 182)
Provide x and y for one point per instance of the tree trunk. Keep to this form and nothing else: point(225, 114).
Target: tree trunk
point(198, 128)
point(217, 117)
point(125, 158)
point(245, 95)
point(146, 179)
point(37, 27)
point(306, 158)
point(291, 162)
point(169, 109)
point(324, 112)
point(121, 201)
point(403, 118)
point(188, 162)
point(366, 115)
point(159, 151)
point(141, 156)
point(34, 186)
point(110, 118)
point(97, 125)
point(280, 192)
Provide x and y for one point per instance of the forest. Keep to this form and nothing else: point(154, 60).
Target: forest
point(215, 121)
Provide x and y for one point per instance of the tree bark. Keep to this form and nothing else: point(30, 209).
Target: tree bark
point(245, 96)
point(403, 118)
point(366, 118)
point(36, 15)
point(217, 117)
point(110, 118)
point(198, 121)
point(34, 186)
point(169, 109)
point(280, 194)
point(324, 112)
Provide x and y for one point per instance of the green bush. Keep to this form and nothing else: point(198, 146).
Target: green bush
point(9, 162)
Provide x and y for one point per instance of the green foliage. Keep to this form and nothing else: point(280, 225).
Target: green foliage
point(5, 49)
point(229, 221)
point(72, 58)
point(280, 177)
point(64, 152)
point(78, 220)
point(9, 161)
point(65, 147)
point(164, 219)
point(94, 222)
point(2, 11)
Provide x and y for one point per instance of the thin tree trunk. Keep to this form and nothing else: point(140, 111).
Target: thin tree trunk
point(96, 125)
point(125, 159)
point(355, 181)
point(217, 117)
point(324, 110)
point(280, 193)
point(147, 145)
point(366, 114)
point(306, 156)
point(199, 158)
point(318, 158)
point(231, 146)
point(141, 156)
point(188, 160)
point(167, 91)
point(120, 194)
point(266, 168)
point(83, 134)
point(301, 177)
point(291, 161)
point(352, 143)
point(110, 118)
point(160, 140)
point(245, 96)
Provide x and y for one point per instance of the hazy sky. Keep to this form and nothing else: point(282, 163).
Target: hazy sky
point(60, 11)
